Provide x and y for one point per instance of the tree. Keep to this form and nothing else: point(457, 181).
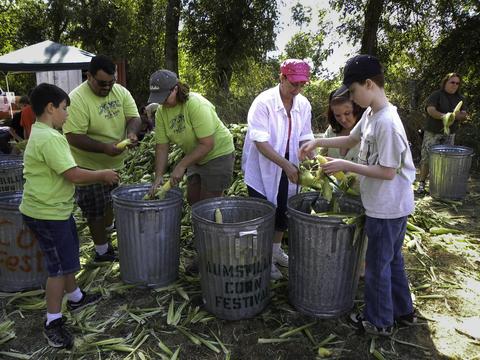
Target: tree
point(310, 44)
point(221, 36)
point(172, 19)
point(419, 42)
point(301, 15)
point(373, 12)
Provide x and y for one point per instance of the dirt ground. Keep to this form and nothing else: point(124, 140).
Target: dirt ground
point(445, 282)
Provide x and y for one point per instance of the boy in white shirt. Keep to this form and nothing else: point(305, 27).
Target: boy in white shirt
point(387, 173)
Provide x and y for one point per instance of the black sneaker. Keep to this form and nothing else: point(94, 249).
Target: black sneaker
point(109, 256)
point(407, 320)
point(359, 322)
point(57, 334)
point(86, 300)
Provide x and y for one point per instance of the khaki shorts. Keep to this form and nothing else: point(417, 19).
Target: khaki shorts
point(215, 175)
point(430, 139)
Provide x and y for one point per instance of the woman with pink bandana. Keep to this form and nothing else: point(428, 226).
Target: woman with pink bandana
point(279, 122)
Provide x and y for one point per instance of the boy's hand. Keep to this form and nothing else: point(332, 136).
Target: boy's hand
point(307, 150)
point(334, 165)
point(109, 177)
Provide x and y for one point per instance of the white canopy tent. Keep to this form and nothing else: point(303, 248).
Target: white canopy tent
point(54, 63)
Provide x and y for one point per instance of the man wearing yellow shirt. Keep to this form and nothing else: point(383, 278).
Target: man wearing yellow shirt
point(102, 113)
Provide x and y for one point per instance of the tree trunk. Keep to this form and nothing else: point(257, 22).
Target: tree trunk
point(172, 19)
point(224, 75)
point(373, 13)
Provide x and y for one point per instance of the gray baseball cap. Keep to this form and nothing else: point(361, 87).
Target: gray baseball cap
point(161, 85)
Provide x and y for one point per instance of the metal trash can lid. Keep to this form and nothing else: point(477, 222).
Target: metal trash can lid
point(451, 150)
point(10, 163)
point(10, 200)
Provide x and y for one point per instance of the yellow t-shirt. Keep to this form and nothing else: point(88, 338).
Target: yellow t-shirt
point(102, 119)
point(47, 195)
point(185, 123)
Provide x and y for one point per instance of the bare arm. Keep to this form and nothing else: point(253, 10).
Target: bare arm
point(161, 159)
point(78, 175)
point(373, 171)
point(267, 150)
point(434, 113)
point(335, 142)
point(84, 142)
point(204, 146)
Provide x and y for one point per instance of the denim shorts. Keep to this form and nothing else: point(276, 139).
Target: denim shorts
point(94, 199)
point(59, 242)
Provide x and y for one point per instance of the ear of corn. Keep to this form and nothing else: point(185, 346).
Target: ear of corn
point(324, 352)
point(218, 216)
point(307, 179)
point(339, 175)
point(123, 144)
point(448, 120)
point(414, 228)
point(160, 193)
point(458, 107)
point(442, 230)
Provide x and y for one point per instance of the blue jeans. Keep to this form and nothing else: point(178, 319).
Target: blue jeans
point(387, 295)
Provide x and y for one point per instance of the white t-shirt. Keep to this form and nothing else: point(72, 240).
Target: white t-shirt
point(384, 142)
point(268, 122)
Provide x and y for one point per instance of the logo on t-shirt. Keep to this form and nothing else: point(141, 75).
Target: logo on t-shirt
point(177, 124)
point(110, 109)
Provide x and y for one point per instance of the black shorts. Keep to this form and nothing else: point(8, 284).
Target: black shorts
point(281, 220)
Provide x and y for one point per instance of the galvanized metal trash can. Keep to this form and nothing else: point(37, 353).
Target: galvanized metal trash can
point(148, 233)
point(22, 266)
point(449, 171)
point(11, 174)
point(324, 256)
point(235, 257)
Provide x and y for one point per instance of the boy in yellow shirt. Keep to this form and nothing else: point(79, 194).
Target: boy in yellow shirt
point(47, 204)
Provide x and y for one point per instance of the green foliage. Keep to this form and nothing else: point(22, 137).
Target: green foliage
point(310, 44)
point(246, 84)
point(221, 36)
point(301, 15)
point(317, 92)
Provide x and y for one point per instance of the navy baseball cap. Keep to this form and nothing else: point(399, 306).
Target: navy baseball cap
point(359, 68)
point(161, 84)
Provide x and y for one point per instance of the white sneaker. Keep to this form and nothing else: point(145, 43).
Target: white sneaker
point(279, 257)
point(275, 274)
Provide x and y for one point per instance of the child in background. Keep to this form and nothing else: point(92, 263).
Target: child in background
point(47, 204)
point(387, 174)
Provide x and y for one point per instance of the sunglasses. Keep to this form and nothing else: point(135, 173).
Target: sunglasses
point(297, 84)
point(103, 83)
